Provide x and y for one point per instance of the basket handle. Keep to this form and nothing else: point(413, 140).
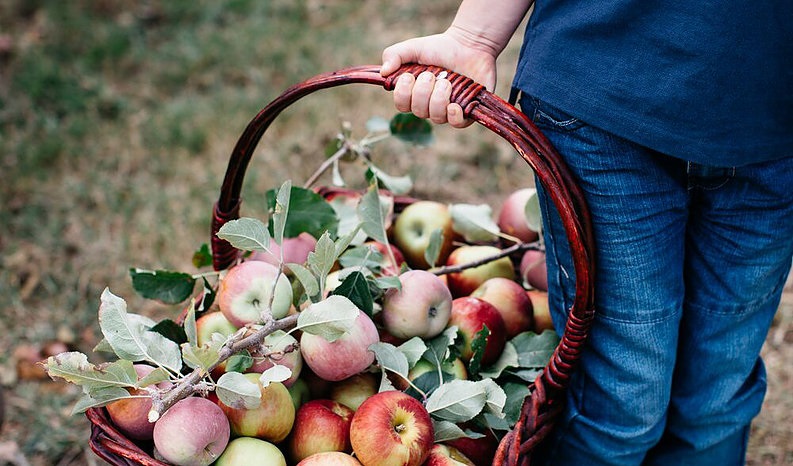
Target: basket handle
point(543, 404)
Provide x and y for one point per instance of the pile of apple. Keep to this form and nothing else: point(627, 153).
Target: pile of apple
point(345, 399)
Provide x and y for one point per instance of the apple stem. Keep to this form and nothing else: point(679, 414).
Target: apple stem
point(446, 269)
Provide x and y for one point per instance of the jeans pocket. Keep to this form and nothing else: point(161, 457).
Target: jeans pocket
point(546, 116)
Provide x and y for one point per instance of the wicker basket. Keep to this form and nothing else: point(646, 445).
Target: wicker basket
point(543, 405)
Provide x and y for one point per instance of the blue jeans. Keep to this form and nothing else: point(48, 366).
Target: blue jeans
point(691, 262)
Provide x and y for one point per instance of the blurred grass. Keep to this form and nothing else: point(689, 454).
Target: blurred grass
point(116, 120)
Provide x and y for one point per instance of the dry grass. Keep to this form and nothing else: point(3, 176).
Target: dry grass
point(116, 119)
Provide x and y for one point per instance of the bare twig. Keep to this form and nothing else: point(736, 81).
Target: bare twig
point(446, 269)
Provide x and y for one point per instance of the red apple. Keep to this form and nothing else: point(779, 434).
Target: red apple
point(542, 312)
point(511, 301)
point(391, 429)
point(295, 250)
point(194, 431)
point(347, 355)
point(244, 293)
point(465, 282)
point(413, 229)
point(444, 455)
point(419, 308)
point(131, 415)
point(512, 216)
point(330, 458)
point(479, 450)
point(353, 390)
point(320, 425)
point(249, 451)
point(533, 270)
point(278, 348)
point(471, 315)
point(271, 420)
point(388, 268)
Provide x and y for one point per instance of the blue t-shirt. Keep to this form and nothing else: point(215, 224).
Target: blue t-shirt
point(705, 81)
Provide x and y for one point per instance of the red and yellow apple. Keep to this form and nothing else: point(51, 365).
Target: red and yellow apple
point(471, 315)
point(444, 455)
point(320, 425)
point(511, 301)
point(419, 308)
point(278, 348)
point(391, 429)
point(210, 323)
point(542, 311)
point(131, 415)
point(353, 390)
point(194, 431)
point(463, 283)
point(244, 293)
point(330, 458)
point(295, 250)
point(512, 216)
point(345, 356)
point(272, 420)
point(533, 270)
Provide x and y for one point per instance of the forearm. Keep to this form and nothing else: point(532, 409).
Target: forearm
point(488, 24)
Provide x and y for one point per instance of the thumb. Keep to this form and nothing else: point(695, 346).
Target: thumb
point(398, 54)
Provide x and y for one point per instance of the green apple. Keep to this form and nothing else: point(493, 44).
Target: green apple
point(249, 451)
point(413, 230)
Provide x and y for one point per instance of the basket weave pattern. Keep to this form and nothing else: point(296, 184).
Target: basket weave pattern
point(544, 403)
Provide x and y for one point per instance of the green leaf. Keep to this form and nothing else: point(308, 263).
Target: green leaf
point(373, 211)
point(308, 212)
point(507, 359)
point(474, 222)
point(347, 213)
point(190, 329)
point(156, 376)
point(239, 362)
point(395, 184)
point(275, 373)
point(439, 348)
point(516, 393)
point(362, 256)
point(496, 398)
point(281, 211)
point(534, 351)
point(202, 257)
point(329, 318)
point(356, 288)
point(413, 349)
point(170, 330)
point(390, 358)
point(204, 356)
point(246, 234)
point(478, 345)
point(433, 251)
point(306, 278)
point(129, 337)
point(74, 367)
point(445, 431)
point(99, 397)
point(386, 283)
point(457, 400)
point(321, 260)
point(166, 286)
point(411, 129)
point(238, 391)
